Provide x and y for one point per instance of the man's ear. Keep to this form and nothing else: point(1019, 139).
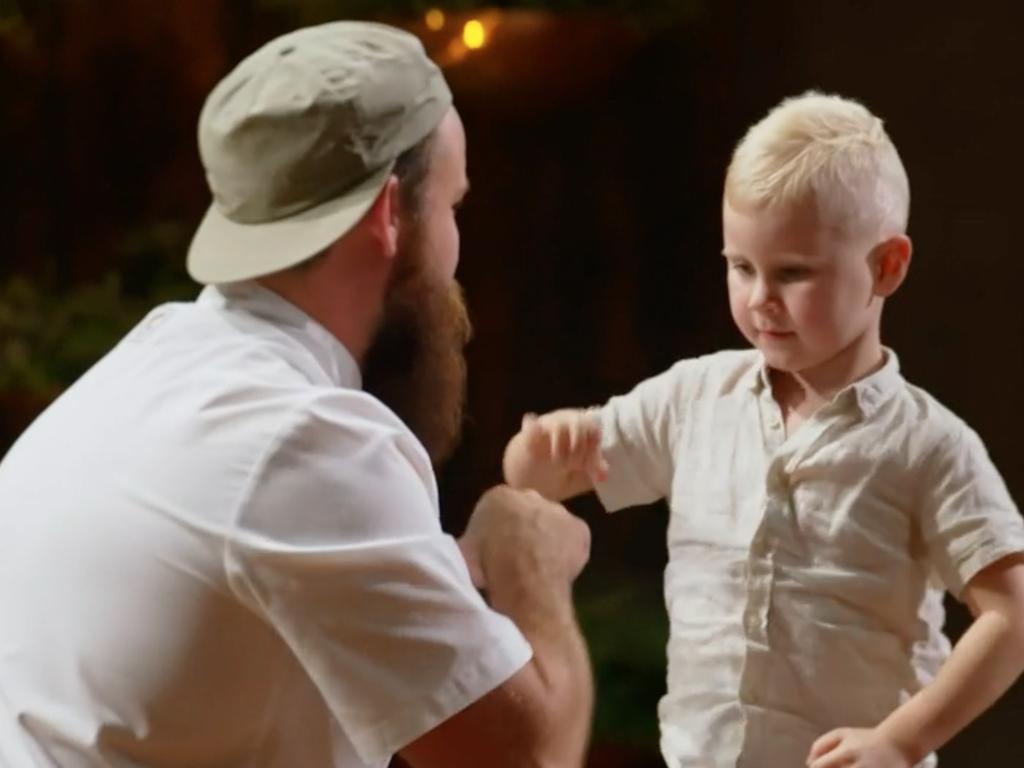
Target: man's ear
point(890, 263)
point(383, 217)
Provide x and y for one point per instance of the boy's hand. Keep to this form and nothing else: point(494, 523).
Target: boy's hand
point(856, 748)
point(569, 438)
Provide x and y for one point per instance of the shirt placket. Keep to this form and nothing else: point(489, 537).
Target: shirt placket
point(760, 555)
point(761, 570)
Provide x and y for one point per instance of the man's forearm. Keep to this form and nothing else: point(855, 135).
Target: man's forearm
point(542, 609)
point(984, 664)
point(528, 552)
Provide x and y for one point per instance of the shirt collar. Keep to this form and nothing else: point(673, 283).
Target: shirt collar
point(258, 301)
point(756, 378)
point(874, 389)
point(869, 392)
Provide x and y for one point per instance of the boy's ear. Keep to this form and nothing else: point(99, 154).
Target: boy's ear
point(890, 262)
point(382, 219)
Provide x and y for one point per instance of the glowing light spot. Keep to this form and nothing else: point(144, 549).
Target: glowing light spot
point(434, 19)
point(473, 34)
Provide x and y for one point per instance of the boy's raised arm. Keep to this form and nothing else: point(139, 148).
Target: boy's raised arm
point(557, 454)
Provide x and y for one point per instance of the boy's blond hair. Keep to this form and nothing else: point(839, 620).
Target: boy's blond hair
point(828, 150)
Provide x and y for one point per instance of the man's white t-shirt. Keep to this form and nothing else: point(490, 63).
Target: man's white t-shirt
point(215, 550)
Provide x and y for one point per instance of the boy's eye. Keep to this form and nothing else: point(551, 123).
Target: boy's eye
point(791, 274)
point(742, 268)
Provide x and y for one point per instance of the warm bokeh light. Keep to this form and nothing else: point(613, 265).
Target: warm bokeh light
point(435, 19)
point(473, 34)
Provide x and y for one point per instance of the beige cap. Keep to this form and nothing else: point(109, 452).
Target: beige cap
point(299, 139)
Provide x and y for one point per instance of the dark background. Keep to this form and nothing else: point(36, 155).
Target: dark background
point(598, 138)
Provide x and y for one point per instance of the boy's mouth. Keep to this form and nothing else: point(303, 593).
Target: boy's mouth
point(775, 334)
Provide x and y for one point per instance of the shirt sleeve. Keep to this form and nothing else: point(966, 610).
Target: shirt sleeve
point(968, 519)
point(339, 547)
point(638, 439)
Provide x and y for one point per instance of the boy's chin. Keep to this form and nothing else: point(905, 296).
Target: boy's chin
point(786, 361)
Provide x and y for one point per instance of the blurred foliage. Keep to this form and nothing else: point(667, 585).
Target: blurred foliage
point(47, 340)
point(50, 336)
point(12, 23)
point(624, 622)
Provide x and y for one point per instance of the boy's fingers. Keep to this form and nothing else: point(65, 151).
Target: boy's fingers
point(565, 438)
point(576, 437)
point(561, 443)
point(835, 759)
point(537, 437)
point(530, 427)
point(596, 466)
point(825, 744)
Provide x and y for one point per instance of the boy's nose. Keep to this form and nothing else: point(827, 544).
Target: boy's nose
point(760, 294)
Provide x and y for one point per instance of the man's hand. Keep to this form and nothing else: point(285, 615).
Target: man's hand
point(856, 748)
point(521, 529)
point(526, 551)
point(472, 558)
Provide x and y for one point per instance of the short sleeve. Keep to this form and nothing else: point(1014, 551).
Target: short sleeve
point(968, 520)
point(638, 439)
point(339, 547)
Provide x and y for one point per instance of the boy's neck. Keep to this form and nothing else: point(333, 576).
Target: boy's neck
point(806, 391)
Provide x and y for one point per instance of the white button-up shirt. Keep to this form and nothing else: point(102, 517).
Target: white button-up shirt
point(805, 577)
point(216, 550)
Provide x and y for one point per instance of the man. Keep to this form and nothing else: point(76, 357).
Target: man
point(217, 548)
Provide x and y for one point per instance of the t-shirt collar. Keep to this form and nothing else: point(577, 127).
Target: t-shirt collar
point(254, 299)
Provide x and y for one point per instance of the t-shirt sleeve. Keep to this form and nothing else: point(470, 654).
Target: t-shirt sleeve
point(638, 432)
point(968, 520)
point(339, 547)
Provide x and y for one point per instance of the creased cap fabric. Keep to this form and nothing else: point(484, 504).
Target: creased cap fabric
point(299, 139)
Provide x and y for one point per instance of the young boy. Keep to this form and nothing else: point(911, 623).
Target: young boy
point(819, 502)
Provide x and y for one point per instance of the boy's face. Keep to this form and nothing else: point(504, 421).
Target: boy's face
point(799, 291)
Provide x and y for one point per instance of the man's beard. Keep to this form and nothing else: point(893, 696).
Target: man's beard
point(415, 364)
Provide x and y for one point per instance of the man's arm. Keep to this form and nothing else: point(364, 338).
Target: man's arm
point(527, 551)
point(984, 664)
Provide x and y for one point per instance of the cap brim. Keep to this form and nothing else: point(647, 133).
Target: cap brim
point(225, 251)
